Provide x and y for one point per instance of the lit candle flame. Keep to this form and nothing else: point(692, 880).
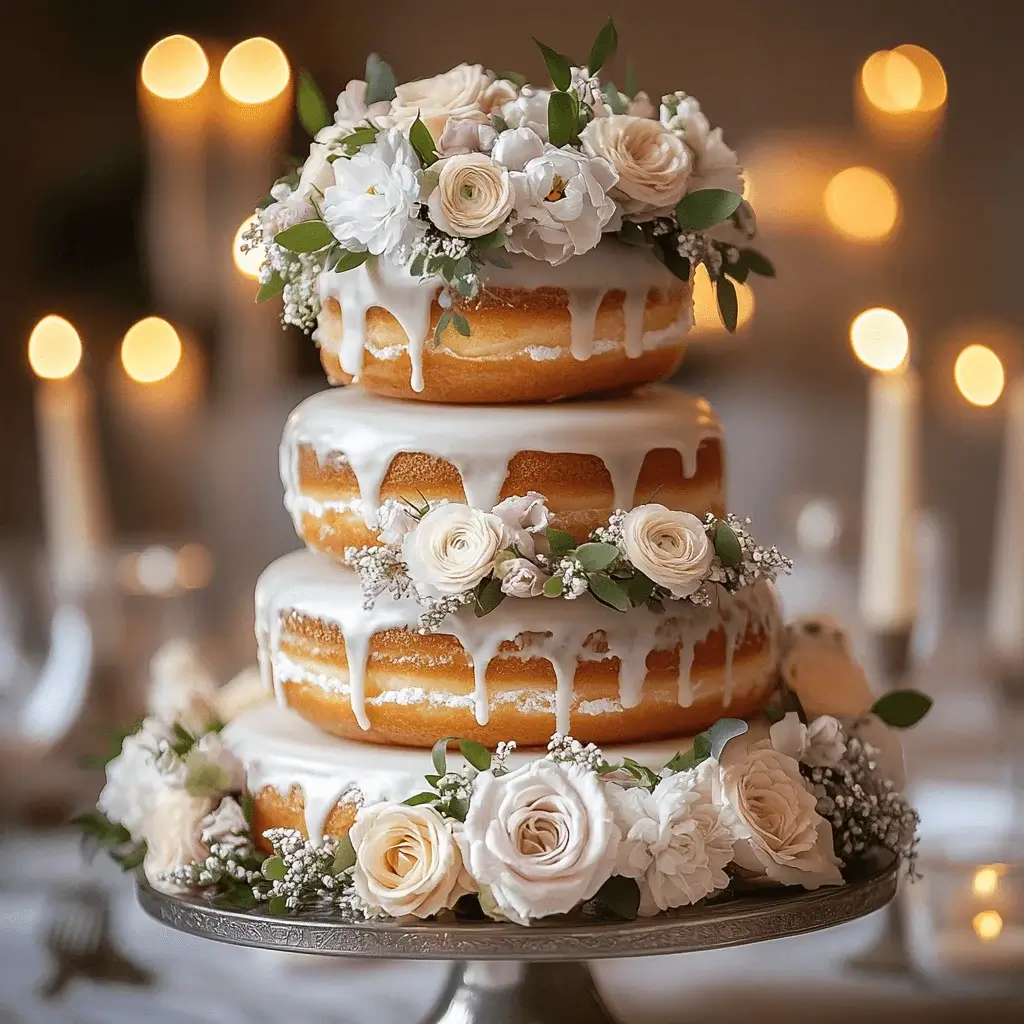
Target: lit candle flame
point(934, 89)
point(150, 350)
point(880, 339)
point(862, 204)
point(987, 925)
point(986, 881)
point(892, 82)
point(247, 263)
point(174, 68)
point(979, 375)
point(255, 71)
point(54, 348)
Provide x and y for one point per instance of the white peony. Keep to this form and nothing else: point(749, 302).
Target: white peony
point(521, 578)
point(672, 548)
point(173, 835)
point(541, 839)
point(527, 518)
point(676, 840)
point(225, 825)
point(241, 694)
point(473, 196)
point(462, 135)
point(464, 90)
point(394, 521)
point(820, 744)
point(652, 162)
point(212, 769)
point(374, 197)
point(529, 110)
point(453, 548)
point(352, 109)
point(407, 860)
point(561, 196)
point(781, 837)
point(715, 165)
point(181, 688)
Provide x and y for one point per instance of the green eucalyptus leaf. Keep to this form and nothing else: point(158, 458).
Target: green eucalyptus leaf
point(679, 265)
point(442, 325)
point(437, 754)
point(458, 808)
point(498, 258)
point(345, 857)
point(739, 270)
point(560, 541)
point(498, 123)
point(728, 307)
point(423, 142)
point(274, 869)
point(362, 136)
point(236, 898)
point(476, 754)
point(594, 557)
point(758, 263)
point(349, 261)
point(517, 79)
point(554, 587)
point(461, 324)
point(639, 589)
point(701, 749)
point(494, 240)
point(248, 806)
point(722, 731)
point(727, 545)
point(380, 80)
point(558, 66)
point(274, 285)
point(488, 596)
point(631, 233)
point(562, 119)
point(902, 709)
point(621, 896)
point(278, 906)
point(608, 591)
point(682, 762)
point(705, 208)
point(614, 99)
point(604, 47)
point(309, 236)
point(420, 798)
point(313, 111)
point(432, 780)
point(416, 267)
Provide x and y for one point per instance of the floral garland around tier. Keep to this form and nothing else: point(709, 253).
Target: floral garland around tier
point(780, 801)
point(446, 174)
point(447, 555)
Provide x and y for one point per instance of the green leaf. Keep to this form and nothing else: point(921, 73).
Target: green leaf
point(416, 267)
point(488, 596)
point(362, 136)
point(96, 825)
point(437, 754)
point(554, 587)
point(274, 869)
point(558, 66)
point(432, 780)
point(631, 87)
point(420, 798)
point(621, 896)
point(593, 557)
point(728, 308)
point(561, 119)
point(498, 123)
point(727, 545)
point(644, 775)
point(423, 142)
point(701, 748)
point(309, 236)
point(461, 324)
point(682, 762)
point(739, 270)
point(345, 856)
point(639, 589)
point(902, 709)
point(380, 80)
point(678, 264)
point(458, 808)
point(442, 325)
point(184, 741)
point(266, 201)
point(494, 240)
point(274, 285)
point(248, 806)
point(278, 906)
point(604, 47)
point(560, 541)
point(310, 103)
point(476, 754)
point(517, 79)
point(790, 700)
point(131, 860)
point(705, 208)
point(608, 591)
point(614, 99)
point(758, 263)
point(349, 261)
point(498, 258)
point(722, 731)
point(632, 234)
point(236, 898)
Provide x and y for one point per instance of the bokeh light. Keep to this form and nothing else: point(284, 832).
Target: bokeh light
point(705, 304)
point(987, 925)
point(54, 348)
point(892, 82)
point(862, 204)
point(934, 89)
point(150, 350)
point(174, 68)
point(880, 339)
point(986, 880)
point(979, 375)
point(247, 263)
point(255, 71)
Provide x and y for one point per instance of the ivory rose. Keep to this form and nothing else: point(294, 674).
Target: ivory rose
point(652, 162)
point(457, 93)
point(173, 834)
point(453, 548)
point(473, 196)
point(540, 839)
point(670, 547)
point(781, 837)
point(407, 860)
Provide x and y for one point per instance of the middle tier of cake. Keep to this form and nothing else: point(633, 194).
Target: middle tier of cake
point(524, 671)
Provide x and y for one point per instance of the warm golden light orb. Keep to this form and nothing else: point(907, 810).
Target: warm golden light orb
point(862, 204)
point(892, 82)
point(987, 925)
point(174, 68)
point(54, 348)
point(985, 881)
point(247, 263)
point(880, 339)
point(705, 304)
point(150, 350)
point(255, 71)
point(934, 89)
point(979, 375)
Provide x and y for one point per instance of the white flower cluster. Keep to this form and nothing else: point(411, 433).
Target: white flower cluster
point(755, 562)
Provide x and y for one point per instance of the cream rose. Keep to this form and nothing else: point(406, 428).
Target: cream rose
point(781, 836)
point(173, 834)
point(819, 744)
point(453, 548)
point(541, 839)
point(456, 93)
point(671, 547)
point(473, 196)
point(407, 860)
point(652, 162)
point(462, 135)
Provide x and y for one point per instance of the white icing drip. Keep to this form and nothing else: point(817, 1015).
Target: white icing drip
point(583, 306)
point(309, 584)
point(685, 697)
point(479, 441)
point(633, 310)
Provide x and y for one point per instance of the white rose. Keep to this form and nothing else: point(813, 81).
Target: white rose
point(521, 578)
point(527, 518)
point(561, 199)
point(516, 147)
point(181, 688)
point(225, 825)
point(652, 162)
point(641, 106)
point(714, 164)
point(473, 134)
point(781, 836)
point(172, 835)
point(541, 838)
point(453, 548)
point(676, 840)
point(241, 694)
point(672, 548)
point(473, 196)
point(407, 860)
point(883, 746)
point(529, 110)
point(373, 200)
point(820, 744)
point(352, 109)
point(395, 520)
point(456, 93)
point(212, 769)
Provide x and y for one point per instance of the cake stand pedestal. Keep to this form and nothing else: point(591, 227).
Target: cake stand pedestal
point(508, 974)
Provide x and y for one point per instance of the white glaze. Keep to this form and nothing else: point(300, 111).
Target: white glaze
point(281, 751)
point(586, 279)
point(311, 585)
point(479, 441)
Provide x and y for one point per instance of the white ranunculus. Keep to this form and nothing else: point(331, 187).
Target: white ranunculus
point(541, 839)
point(715, 165)
point(529, 110)
point(453, 548)
point(521, 578)
point(352, 109)
point(243, 693)
point(173, 834)
point(473, 196)
point(456, 93)
point(883, 746)
point(781, 837)
point(561, 200)
point(181, 688)
point(225, 825)
point(407, 860)
point(676, 840)
point(527, 517)
point(652, 162)
point(819, 744)
point(212, 769)
point(462, 135)
point(395, 520)
point(374, 197)
point(672, 548)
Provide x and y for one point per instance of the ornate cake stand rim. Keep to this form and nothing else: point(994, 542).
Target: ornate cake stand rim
point(716, 925)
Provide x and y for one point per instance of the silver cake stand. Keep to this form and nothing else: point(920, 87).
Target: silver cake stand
point(508, 974)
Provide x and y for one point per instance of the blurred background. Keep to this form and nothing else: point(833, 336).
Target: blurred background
point(878, 380)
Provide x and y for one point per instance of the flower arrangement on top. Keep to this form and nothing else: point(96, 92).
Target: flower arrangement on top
point(446, 555)
point(445, 174)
